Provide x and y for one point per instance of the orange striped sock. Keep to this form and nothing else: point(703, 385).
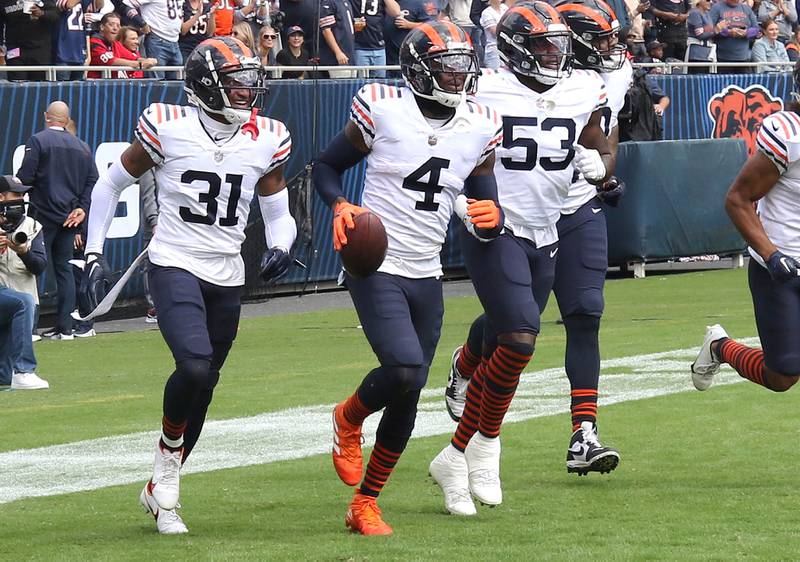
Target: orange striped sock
point(381, 464)
point(500, 383)
point(747, 361)
point(468, 424)
point(583, 406)
point(467, 361)
point(354, 410)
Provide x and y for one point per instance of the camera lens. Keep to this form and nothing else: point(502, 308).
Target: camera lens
point(19, 237)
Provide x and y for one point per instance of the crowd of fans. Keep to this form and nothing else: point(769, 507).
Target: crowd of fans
point(136, 35)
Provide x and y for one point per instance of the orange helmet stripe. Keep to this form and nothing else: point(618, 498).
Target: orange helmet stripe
point(538, 25)
point(432, 34)
point(226, 51)
point(601, 21)
point(608, 7)
point(455, 31)
point(552, 12)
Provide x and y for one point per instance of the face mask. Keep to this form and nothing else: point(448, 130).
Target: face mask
point(12, 215)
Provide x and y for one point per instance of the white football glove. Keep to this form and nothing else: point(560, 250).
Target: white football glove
point(589, 163)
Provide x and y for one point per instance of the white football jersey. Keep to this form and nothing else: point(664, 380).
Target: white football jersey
point(163, 16)
point(205, 189)
point(416, 170)
point(617, 84)
point(779, 210)
point(534, 166)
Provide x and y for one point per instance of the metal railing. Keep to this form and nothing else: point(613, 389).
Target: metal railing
point(107, 72)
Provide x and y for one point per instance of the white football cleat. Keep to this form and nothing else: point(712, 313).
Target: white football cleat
point(166, 477)
point(483, 463)
point(168, 522)
point(706, 365)
point(28, 381)
point(455, 394)
point(449, 470)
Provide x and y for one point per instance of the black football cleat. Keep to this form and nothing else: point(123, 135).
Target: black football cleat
point(586, 454)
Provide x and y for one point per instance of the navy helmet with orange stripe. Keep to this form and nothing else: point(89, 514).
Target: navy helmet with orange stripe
point(439, 63)
point(595, 34)
point(533, 41)
point(223, 77)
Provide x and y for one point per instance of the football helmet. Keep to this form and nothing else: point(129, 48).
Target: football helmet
point(439, 63)
point(223, 77)
point(534, 41)
point(595, 34)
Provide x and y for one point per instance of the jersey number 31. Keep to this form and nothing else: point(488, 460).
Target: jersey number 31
point(214, 183)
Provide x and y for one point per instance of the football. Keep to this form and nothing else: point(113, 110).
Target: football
point(366, 245)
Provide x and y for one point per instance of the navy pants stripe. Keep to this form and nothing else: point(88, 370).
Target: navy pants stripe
point(582, 261)
point(777, 312)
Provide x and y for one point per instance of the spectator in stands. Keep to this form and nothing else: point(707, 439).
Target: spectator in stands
point(793, 46)
point(769, 49)
point(294, 54)
point(370, 47)
point(244, 33)
point(92, 16)
point(255, 13)
point(671, 16)
point(161, 20)
point(655, 53)
point(223, 17)
point(105, 50)
point(489, 18)
point(69, 38)
point(337, 41)
point(22, 258)
point(266, 50)
point(782, 12)
point(735, 25)
point(635, 35)
point(396, 26)
point(61, 170)
point(127, 48)
point(303, 13)
point(475, 10)
point(199, 23)
point(458, 12)
point(700, 43)
point(26, 26)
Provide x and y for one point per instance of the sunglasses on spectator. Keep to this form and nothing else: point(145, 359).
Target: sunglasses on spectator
point(268, 36)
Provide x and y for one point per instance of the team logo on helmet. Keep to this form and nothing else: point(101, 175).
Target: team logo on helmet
point(738, 113)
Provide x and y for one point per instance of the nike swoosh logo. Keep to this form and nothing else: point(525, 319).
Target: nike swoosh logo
point(785, 264)
point(579, 449)
point(595, 211)
point(553, 253)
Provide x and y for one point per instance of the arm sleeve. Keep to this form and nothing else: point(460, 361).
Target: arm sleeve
point(339, 156)
point(36, 259)
point(361, 113)
point(146, 132)
point(105, 197)
point(284, 150)
point(280, 230)
point(30, 162)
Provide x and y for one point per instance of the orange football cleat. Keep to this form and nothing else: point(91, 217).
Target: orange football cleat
point(364, 516)
point(347, 458)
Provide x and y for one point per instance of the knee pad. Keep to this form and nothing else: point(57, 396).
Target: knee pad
point(397, 422)
point(518, 342)
point(408, 378)
point(582, 323)
point(197, 372)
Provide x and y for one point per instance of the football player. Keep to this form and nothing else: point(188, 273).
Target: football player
point(582, 240)
point(551, 131)
point(209, 159)
point(423, 144)
point(770, 177)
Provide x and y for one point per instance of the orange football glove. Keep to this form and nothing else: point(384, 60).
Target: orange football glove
point(343, 215)
point(484, 213)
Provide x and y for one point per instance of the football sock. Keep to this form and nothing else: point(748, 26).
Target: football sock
point(354, 410)
point(468, 424)
point(583, 406)
point(381, 464)
point(747, 361)
point(172, 434)
point(582, 363)
point(467, 361)
point(500, 383)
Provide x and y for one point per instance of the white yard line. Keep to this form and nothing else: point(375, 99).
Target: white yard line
point(302, 432)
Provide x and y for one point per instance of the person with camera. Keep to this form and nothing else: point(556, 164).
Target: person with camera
point(22, 258)
point(27, 26)
point(61, 169)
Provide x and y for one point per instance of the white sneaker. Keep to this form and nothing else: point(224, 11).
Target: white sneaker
point(483, 462)
point(706, 365)
point(90, 333)
point(166, 477)
point(455, 394)
point(27, 381)
point(35, 338)
point(168, 522)
point(449, 470)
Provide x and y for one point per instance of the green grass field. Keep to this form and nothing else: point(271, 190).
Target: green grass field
point(703, 475)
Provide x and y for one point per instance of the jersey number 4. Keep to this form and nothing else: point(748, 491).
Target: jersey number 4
point(214, 183)
point(433, 169)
